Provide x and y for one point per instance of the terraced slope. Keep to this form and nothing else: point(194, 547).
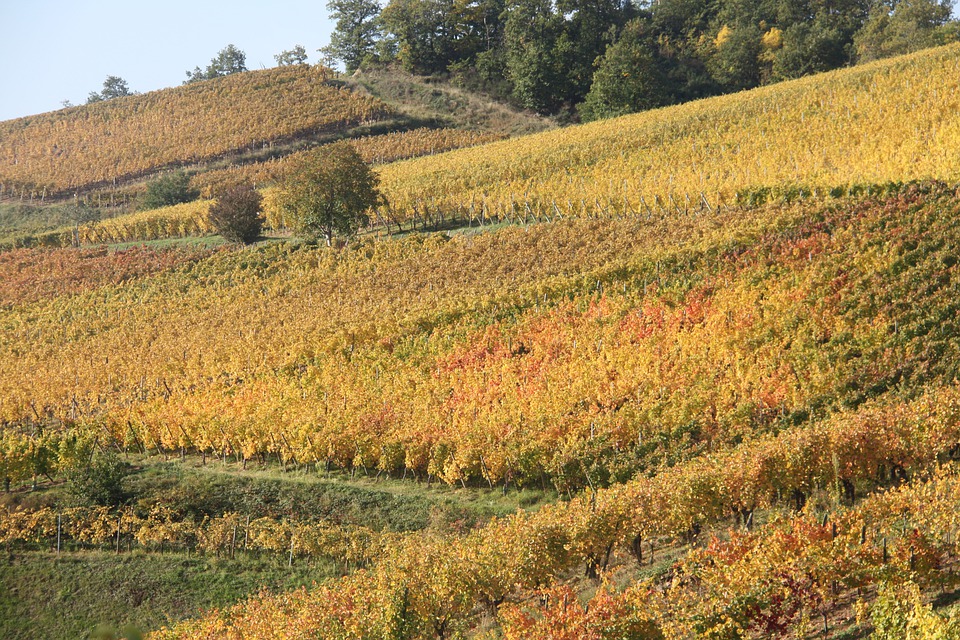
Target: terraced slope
point(894, 120)
point(110, 141)
point(847, 131)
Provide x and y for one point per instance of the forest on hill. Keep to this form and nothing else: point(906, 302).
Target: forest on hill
point(594, 60)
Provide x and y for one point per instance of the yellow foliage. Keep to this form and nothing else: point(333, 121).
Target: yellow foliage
point(895, 120)
point(772, 39)
point(723, 36)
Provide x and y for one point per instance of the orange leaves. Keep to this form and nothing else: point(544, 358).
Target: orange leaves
point(28, 275)
point(559, 615)
point(492, 357)
point(762, 581)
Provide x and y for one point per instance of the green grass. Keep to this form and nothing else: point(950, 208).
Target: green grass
point(45, 596)
point(21, 221)
point(380, 503)
point(211, 241)
point(194, 490)
point(201, 242)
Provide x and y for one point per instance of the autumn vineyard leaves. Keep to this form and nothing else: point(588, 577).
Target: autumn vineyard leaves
point(811, 137)
point(101, 143)
point(723, 337)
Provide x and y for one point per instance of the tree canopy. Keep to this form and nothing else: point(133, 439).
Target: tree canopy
point(228, 60)
point(356, 33)
point(564, 56)
point(328, 192)
point(297, 55)
point(895, 28)
point(630, 76)
point(113, 87)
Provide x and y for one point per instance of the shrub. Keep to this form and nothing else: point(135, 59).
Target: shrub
point(172, 188)
point(100, 483)
point(236, 214)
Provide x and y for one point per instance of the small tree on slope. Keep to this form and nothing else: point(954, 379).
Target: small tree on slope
point(328, 193)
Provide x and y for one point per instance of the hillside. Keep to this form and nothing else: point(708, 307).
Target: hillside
point(705, 386)
point(430, 99)
point(764, 361)
point(894, 120)
point(834, 133)
point(241, 128)
point(114, 140)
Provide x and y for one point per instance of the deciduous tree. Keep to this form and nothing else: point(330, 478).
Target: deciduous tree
point(356, 33)
point(229, 60)
point(113, 87)
point(901, 26)
point(328, 193)
point(297, 55)
point(630, 76)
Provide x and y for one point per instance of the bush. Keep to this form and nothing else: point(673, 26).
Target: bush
point(100, 483)
point(236, 214)
point(172, 188)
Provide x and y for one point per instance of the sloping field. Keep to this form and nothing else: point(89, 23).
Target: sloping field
point(508, 357)
point(796, 359)
point(127, 137)
point(847, 131)
point(894, 120)
point(783, 365)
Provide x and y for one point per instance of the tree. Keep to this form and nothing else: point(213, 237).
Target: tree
point(169, 189)
point(630, 76)
point(236, 214)
point(437, 36)
point(113, 87)
point(809, 48)
point(816, 36)
point(589, 26)
point(531, 35)
point(297, 55)
point(356, 34)
point(229, 60)
point(327, 193)
point(901, 26)
point(735, 60)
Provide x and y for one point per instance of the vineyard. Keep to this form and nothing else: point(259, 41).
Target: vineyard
point(786, 575)
point(114, 140)
point(160, 530)
point(889, 121)
point(771, 356)
point(661, 356)
point(708, 386)
point(377, 149)
point(697, 157)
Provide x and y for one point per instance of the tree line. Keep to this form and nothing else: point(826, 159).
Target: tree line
point(591, 59)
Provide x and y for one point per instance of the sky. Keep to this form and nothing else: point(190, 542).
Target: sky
point(56, 50)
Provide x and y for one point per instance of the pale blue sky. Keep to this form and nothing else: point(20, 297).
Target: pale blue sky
point(55, 50)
